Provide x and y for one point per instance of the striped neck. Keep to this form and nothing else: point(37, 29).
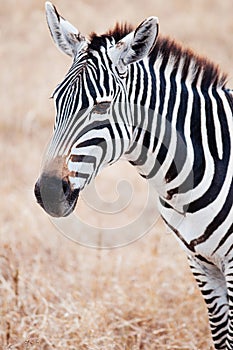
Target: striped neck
point(181, 117)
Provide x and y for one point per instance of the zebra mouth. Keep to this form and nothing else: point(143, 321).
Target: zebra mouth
point(55, 196)
point(72, 203)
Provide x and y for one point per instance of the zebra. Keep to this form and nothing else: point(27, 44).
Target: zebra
point(134, 93)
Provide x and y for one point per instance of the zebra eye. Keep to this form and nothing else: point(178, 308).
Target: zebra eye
point(101, 107)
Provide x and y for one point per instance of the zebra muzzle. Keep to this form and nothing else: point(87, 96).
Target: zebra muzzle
point(55, 195)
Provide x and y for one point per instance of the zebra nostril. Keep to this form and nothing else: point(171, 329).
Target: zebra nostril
point(69, 194)
point(66, 188)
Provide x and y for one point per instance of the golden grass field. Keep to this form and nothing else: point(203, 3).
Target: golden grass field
point(55, 294)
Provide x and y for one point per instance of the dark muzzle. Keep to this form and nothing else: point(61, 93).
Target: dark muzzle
point(55, 195)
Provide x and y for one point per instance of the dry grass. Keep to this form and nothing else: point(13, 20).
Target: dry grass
point(55, 294)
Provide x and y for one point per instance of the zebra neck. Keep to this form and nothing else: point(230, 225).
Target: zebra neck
point(182, 133)
point(158, 149)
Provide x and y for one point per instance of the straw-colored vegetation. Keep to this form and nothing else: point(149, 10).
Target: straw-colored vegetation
point(55, 294)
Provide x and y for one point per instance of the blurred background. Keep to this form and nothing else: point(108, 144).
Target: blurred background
point(55, 294)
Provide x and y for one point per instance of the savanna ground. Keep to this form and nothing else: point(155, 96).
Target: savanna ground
point(55, 294)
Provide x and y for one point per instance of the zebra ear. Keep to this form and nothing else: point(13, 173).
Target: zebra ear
point(138, 44)
point(65, 35)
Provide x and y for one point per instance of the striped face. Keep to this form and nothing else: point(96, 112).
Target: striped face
point(89, 129)
point(93, 126)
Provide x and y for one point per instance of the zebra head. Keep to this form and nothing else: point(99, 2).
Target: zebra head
point(93, 126)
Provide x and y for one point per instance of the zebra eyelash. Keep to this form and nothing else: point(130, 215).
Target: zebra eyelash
point(101, 107)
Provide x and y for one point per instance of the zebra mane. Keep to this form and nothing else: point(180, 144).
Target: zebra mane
point(120, 31)
point(117, 33)
point(170, 50)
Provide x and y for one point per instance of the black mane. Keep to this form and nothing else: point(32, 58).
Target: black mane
point(212, 75)
point(117, 33)
point(166, 47)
